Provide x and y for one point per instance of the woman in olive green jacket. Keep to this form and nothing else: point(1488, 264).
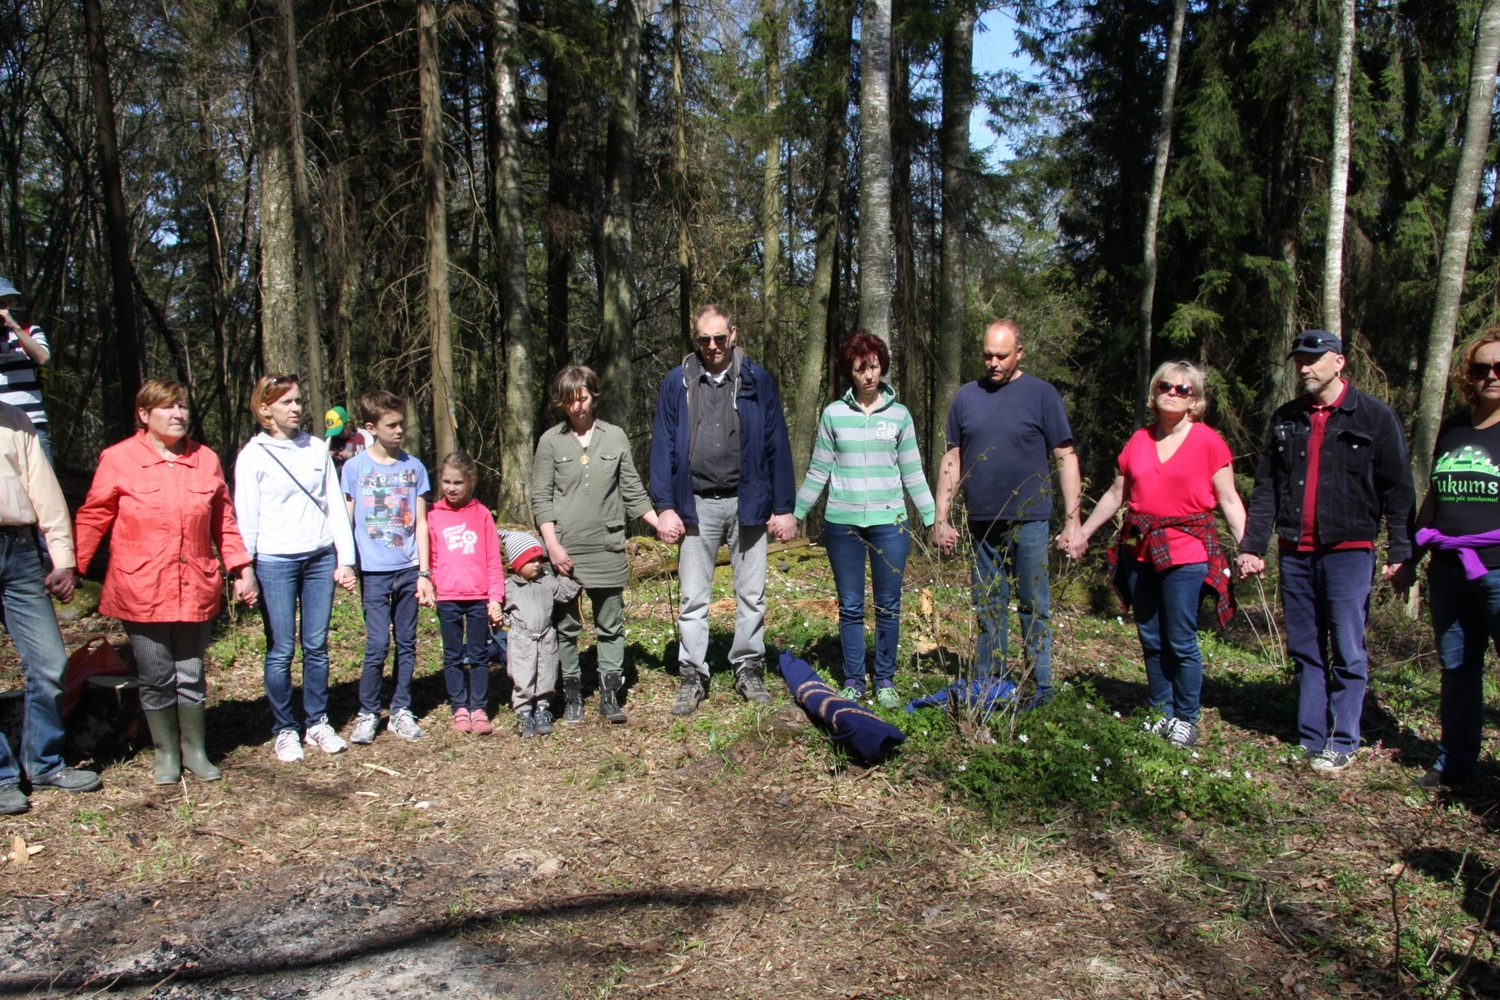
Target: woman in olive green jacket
point(583, 483)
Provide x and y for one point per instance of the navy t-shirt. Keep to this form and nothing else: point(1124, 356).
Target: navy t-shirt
point(1006, 436)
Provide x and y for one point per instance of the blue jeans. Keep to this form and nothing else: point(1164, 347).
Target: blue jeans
point(284, 582)
point(1005, 549)
point(466, 662)
point(1465, 620)
point(886, 546)
point(33, 627)
point(1326, 598)
point(390, 599)
point(1165, 606)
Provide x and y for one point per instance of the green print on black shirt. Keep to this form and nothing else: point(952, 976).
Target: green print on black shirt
point(1466, 483)
point(1466, 475)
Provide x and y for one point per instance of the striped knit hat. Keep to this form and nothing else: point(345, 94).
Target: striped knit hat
point(521, 547)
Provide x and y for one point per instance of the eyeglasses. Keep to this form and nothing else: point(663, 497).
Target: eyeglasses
point(718, 340)
point(284, 379)
point(1481, 372)
point(1174, 389)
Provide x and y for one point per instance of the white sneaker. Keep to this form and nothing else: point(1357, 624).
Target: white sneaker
point(288, 746)
point(404, 724)
point(324, 738)
point(365, 724)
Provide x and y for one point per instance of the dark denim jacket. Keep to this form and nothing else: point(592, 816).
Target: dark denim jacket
point(1364, 474)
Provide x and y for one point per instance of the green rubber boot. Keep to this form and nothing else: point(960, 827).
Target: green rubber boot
point(166, 738)
point(190, 718)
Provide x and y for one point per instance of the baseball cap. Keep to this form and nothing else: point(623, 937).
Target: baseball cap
point(335, 422)
point(1316, 342)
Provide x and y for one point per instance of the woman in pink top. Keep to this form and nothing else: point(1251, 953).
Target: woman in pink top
point(470, 582)
point(1172, 474)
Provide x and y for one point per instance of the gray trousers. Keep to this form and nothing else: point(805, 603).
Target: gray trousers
point(169, 662)
point(719, 523)
point(532, 663)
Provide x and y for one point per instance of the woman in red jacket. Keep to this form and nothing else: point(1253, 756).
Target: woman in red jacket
point(169, 506)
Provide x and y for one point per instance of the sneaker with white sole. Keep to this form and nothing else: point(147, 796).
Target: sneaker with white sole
point(365, 724)
point(324, 738)
point(1329, 759)
point(288, 746)
point(1182, 733)
point(404, 724)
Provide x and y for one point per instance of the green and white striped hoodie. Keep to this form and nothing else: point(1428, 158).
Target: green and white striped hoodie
point(866, 458)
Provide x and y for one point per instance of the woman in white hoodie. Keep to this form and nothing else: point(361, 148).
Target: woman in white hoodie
point(295, 525)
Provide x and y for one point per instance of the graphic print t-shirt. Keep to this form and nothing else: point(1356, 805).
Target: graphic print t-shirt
point(385, 510)
point(1466, 483)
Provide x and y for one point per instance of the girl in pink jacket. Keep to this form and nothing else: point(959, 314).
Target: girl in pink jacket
point(469, 578)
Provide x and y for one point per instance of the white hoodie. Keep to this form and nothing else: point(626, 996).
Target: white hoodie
point(277, 516)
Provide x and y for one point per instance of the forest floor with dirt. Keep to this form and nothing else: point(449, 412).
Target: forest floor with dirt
point(738, 853)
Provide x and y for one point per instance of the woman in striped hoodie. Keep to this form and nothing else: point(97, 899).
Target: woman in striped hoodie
point(866, 452)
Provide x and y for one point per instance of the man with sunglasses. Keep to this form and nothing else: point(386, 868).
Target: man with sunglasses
point(721, 472)
point(1334, 465)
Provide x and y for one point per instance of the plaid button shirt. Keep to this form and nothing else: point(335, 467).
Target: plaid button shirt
point(1155, 551)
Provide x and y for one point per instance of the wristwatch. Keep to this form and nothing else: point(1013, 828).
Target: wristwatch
point(425, 574)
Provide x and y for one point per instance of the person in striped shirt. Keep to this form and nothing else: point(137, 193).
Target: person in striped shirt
point(867, 452)
point(23, 353)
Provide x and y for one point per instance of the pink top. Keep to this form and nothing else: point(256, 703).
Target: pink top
point(466, 563)
point(1181, 485)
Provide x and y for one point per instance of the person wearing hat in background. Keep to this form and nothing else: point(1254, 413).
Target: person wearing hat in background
point(345, 439)
point(532, 591)
point(1334, 465)
point(22, 356)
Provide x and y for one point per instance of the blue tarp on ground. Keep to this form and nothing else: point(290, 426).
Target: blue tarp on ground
point(989, 694)
point(866, 734)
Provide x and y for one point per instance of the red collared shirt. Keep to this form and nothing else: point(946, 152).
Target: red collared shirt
point(1319, 421)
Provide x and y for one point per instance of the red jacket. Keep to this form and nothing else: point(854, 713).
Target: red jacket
point(466, 562)
point(167, 517)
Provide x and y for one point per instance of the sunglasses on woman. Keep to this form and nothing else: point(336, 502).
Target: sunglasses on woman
point(1174, 389)
point(283, 379)
point(1480, 372)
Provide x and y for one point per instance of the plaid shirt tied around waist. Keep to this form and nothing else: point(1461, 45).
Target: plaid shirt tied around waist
point(1156, 551)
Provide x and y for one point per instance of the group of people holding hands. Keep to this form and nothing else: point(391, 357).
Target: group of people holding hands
point(351, 509)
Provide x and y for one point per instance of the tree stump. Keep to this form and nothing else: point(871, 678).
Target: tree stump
point(108, 718)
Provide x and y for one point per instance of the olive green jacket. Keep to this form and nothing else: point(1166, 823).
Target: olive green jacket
point(588, 492)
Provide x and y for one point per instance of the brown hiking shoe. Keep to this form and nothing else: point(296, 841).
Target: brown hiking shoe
point(748, 682)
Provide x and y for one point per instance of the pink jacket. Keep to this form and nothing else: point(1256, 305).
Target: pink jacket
point(466, 564)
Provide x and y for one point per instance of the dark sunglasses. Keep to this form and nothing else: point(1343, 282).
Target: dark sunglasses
point(284, 379)
point(1480, 372)
point(1171, 389)
point(718, 340)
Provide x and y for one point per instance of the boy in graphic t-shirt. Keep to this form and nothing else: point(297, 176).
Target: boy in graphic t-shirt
point(386, 490)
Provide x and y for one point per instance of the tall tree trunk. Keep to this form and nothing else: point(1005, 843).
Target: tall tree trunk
point(1287, 206)
point(770, 198)
point(559, 217)
point(510, 237)
point(217, 277)
point(837, 37)
point(875, 168)
point(1338, 176)
point(315, 384)
point(616, 313)
point(906, 352)
point(958, 100)
point(435, 182)
point(1153, 210)
point(281, 349)
point(126, 370)
point(680, 183)
point(1455, 254)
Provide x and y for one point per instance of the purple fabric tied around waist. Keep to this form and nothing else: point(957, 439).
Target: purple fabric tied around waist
point(1465, 545)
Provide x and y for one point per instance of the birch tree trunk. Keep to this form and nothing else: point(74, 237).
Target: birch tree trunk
point(770, 200)
point(516, 424)
point(315, 382)
point(837, 37)
point(875, 168)
point(1153, 210)
point(953, 142)
point(438, 314)
point(1338, 176)
point(126, 369)
point(616, 327)
point(1455, 255)
point(680, 183)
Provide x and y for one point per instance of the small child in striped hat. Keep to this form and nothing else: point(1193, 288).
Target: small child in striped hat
point(530, 596)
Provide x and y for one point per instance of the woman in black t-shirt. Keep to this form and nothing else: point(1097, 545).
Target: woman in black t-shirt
point(1460, 523)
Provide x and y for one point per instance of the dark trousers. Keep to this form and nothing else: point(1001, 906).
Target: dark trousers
point(390, 602)
point(1165, 606)
point(1326, 597)
point(466, 662)
point(885, 547)
point(1465, 622)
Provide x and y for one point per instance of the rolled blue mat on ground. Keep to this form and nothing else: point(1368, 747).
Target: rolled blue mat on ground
point(988, 694)
point(866, 734)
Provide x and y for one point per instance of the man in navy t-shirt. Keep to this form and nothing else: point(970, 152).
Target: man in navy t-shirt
point(1001, 430)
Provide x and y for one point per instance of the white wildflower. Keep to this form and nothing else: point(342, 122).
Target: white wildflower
point(1184, 772)
point(1089, 705)
point(1094, 778)
point(1107, 762)
point(1087, 747)
point(963, 767)
point(1247, 775)
point(1023, 738)
point(1195, 755)
point(1117, 715)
